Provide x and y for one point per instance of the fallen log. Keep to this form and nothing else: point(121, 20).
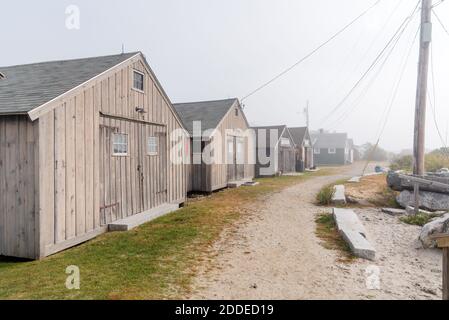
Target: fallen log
point(401, 182)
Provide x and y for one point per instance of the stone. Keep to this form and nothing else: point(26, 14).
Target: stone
point(360, 247)
point(348, 220)
point(355, 179)
point(393, 211)
point(339, 195)
point(428, 200)
point(437, 226)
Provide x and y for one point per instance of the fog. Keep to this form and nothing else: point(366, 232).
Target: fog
point(208, 49)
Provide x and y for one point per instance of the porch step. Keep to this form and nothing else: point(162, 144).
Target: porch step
point(237, 183)
point(131, 222)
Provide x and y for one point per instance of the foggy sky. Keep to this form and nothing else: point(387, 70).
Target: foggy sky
point(210, 49)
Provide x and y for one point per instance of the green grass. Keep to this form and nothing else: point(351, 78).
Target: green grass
point(326, 231)
point(155, 261)
point(324, 196)
point(420, 219)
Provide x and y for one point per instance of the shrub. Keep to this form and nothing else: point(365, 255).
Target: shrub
point(324, 197)
point(420, 219)
point(434, 161)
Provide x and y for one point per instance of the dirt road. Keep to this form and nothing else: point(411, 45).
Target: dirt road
point(274, 254)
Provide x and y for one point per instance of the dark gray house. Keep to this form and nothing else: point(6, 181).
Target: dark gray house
point(331, 148)
point(275, 151)
point(304, 148)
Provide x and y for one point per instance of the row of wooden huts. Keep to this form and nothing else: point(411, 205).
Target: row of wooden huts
point(90, 143)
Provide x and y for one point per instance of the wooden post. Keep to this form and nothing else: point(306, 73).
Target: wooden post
point(443, 243)
point(421, 90)
point(416, 192)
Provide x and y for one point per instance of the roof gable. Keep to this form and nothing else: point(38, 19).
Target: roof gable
point(299, 134)
point(26, 87)
point(330, 140)
point(210, 113)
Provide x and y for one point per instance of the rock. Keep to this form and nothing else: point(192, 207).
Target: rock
point(393, 212)
point(440, 225)
point(428, 200)
point(339, 195)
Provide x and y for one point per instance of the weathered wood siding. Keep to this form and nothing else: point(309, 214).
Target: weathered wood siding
point(19, 199)
point(217, 174)
point(79, 178)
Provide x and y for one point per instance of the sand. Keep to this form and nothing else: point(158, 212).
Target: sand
point(273, 253)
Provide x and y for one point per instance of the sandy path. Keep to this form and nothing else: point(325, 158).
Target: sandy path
point(274, 254)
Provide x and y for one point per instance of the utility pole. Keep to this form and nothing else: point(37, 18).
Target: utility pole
point(306, 111)
point(421, 90)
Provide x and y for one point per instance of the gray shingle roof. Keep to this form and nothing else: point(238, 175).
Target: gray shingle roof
point(280, 130)
point(209, 113)
point(330, 140)
point(298, 134)
point(26, 87)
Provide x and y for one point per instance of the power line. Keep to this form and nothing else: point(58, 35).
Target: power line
point(433, 106)
point(387, 21)
point(440, 21)
point(399, 32)
point(311, 53)
point(379, 71)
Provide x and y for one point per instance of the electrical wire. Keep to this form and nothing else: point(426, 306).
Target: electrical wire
point(392, 100)
point(375, 62)
point(441, 22)
point(367, 88)
point(311, 53)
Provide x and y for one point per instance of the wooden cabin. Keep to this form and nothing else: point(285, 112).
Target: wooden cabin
point(276, 151)
point(223, 136)
point(304, 148)
point(83, 144)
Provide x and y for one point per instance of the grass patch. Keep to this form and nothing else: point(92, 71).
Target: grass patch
point(325, 195)
point(155, 261)
point(420, 219)
point(326, 231)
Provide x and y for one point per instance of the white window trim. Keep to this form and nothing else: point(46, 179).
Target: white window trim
point(316, 151)
point(152, 153)
point(332, 150)
point(114, 154)
point(137, 89)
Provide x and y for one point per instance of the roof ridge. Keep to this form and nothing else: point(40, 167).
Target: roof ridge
point(72, 60)
point(205, 101)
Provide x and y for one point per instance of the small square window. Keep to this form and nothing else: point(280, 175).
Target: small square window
point(153, 146)
point(316, 151)
point(119, 144)
point(138, 81)
point(332, 151)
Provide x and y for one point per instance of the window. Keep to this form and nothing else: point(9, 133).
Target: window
point(316, 151)
point(120, 144)
point(285, 142)
point(332, 151)
point(236, 112)
point(2, 76)
point(152, 146)
point(138, 81)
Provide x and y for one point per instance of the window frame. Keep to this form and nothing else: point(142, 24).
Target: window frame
point(149, 152)
point(134, 81)
point(316, 151)
point(114, 143)
point(334, 150)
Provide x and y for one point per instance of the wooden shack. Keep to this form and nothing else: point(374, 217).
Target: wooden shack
point(224, 137)
point(304, 148)
point(83, 143)
point(276, 151)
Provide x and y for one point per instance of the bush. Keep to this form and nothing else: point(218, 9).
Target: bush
point(324, 197)
point(420, 219)
point(434, 161)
